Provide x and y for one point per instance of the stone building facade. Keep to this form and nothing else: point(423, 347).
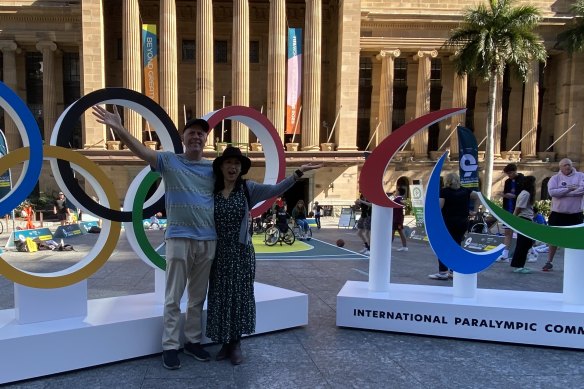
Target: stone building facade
point(368, 67)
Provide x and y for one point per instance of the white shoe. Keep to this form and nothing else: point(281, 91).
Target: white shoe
point(402, 249)
point(502, 259)
point(439, 276)
point(542, 249)
point(532, 256)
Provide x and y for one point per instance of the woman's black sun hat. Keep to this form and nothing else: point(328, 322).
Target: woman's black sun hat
point(232, 152)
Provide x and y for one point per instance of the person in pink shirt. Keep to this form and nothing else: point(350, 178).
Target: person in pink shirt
point(567, 190)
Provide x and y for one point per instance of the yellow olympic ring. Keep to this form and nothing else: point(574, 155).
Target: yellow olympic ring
point(81, 271)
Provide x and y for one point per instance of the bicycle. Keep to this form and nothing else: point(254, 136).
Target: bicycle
point(275, 235)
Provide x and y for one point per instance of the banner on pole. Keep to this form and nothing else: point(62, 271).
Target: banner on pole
point(417, 193)
point(468, 158)
point(294, 80)
point(150, 60)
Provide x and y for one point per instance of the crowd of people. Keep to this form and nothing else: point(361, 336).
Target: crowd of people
point(209, 252)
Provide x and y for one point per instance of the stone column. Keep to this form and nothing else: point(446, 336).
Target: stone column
point(420, 140)
point(204, 64)
point(386, 92)
point(530, 109)
point(132, 62)
point(240, 63)
point(459, 96)
point(9, 50)
point(168, 60)
point(92, 68)
point(562, 109)
point(311, 75)
point(348, 56)
point(47, 48)
point(276, 108)
point(498, 118)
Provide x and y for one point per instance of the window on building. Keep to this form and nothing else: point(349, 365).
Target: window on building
point(435, 101)
point(188, 50)
point(542, 90)
point(72, 92)
point(220, 53)
point(34, 86)
point(400, 91)
point(254, 52)
point(364, 102)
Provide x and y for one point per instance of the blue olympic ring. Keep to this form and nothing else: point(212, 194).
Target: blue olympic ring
point(31, 137)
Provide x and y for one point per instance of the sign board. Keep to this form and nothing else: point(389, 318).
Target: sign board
point(347, 218)
point(484, 242)
point(85, 226)
point(38, 233)
point(68, 231)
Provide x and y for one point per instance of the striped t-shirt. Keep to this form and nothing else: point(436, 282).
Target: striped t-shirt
point(189, 196)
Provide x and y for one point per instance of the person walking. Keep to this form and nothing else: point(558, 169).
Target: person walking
point(231, 309)
point(190, 234)
point(317, 209)
point(398, 219)
point(567, 190)
point(512, 187)
point(524, 209)
point(454, 203)
point(60, 208)
point(364, 223)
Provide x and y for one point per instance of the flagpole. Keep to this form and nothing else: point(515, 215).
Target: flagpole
point(373, 136)
point(560, 137)
point(448, 137)
point(334, 124)
point(523, 137)
point(223, 124)
point(484, 139)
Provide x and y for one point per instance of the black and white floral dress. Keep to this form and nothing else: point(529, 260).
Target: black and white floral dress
point(231, 308)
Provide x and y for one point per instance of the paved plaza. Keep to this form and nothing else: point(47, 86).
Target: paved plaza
point(320, 355)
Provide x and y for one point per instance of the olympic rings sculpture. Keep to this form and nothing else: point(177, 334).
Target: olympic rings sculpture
point(65, 161)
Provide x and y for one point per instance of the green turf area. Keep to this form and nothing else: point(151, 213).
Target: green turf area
point(260, 247)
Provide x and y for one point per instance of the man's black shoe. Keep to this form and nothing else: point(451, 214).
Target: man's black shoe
point(197, 351)
point(170, 359)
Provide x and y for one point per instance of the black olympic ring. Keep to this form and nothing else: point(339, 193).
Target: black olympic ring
point(68, 121)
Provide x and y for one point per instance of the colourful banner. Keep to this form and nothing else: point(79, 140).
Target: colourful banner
point(417, 197)
point(294, 90)
point(5, 179)
point(468, 158)
point(150, 60)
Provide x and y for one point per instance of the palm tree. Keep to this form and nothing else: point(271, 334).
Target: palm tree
point(491, 37)
point(572, 40)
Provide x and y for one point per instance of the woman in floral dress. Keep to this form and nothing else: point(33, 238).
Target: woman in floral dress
point(231, 302)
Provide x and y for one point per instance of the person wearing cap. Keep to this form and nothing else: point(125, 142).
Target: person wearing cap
point(231, 302)
point(567, 191)
point(61, 209)
point(511, 189)
point(190, 234)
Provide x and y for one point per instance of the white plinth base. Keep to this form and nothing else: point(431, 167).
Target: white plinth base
point(115, 329)
point(493, 315)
